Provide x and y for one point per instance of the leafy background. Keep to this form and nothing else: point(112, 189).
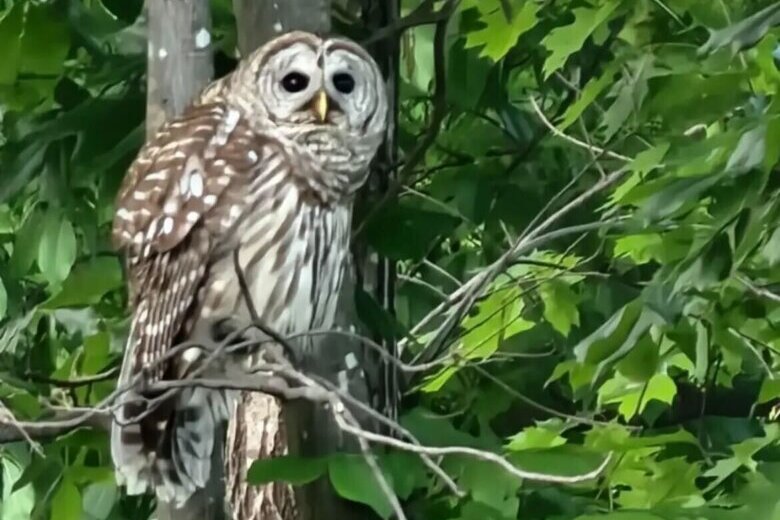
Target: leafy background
point(651, 336)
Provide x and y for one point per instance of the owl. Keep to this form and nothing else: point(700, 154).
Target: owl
point(262, 170)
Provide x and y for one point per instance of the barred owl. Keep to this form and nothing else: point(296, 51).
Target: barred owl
point(264, 164)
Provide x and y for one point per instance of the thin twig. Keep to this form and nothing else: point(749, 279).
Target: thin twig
point(75, 382)
point(574, 140)
point(758, 291)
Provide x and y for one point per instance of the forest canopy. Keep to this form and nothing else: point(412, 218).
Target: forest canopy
point(583, 221)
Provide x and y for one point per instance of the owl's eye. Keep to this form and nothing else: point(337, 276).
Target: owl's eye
point(295, 82)
point(344, 82)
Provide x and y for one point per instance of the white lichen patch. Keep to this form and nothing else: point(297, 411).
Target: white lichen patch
point(202, 39)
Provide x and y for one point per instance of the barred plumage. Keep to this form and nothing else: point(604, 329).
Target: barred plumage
point(252, 166)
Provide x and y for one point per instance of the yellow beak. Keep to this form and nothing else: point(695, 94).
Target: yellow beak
point(320, 105)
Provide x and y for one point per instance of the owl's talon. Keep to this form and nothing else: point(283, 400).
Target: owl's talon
point(249, 340)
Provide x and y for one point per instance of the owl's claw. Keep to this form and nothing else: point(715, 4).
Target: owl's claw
point(247, 340)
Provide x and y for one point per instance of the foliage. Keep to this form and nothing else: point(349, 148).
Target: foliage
point(652, 337)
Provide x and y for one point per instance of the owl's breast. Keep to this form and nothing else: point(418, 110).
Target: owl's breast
point(292, 250)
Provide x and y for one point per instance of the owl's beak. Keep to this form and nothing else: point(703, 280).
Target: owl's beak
point(320, 105)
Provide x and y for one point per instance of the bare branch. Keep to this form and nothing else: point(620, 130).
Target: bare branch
point(758, 291)
point(75, 382)
point(573, 140)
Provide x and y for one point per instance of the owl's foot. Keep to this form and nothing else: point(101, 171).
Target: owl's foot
point(241, 339)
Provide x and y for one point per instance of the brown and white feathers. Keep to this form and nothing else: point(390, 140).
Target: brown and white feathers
point(264, 163)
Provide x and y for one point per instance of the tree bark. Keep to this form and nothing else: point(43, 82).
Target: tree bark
point(179, 66)
point(262, 20)
point(179, 57)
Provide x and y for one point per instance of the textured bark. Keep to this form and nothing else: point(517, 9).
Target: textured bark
point(179, 57)
point(179, 66)
point(257, 430)
point(262, 20)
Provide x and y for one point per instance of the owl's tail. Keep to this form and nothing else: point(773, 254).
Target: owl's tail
point(166, 446)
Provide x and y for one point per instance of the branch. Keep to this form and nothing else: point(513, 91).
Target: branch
point(75, 382)
point(282, 379)
point(574, 140)
point(758, 291)
point(12, 430)
point(423, 15)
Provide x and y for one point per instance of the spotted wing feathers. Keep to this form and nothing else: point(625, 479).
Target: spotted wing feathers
point(181, 198)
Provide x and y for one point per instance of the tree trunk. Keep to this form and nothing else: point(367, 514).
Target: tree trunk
point(179, 66)
point(179, 57)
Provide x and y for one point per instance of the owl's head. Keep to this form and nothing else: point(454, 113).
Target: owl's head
point(305, 85)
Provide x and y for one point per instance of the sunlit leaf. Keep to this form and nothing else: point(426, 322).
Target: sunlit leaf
point(66, 502)
point(499, 34)
point(560, 306)
point(564, 41)
point(354, 480)
point(57, 248)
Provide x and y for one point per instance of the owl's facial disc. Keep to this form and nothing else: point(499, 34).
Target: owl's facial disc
point(332, 83)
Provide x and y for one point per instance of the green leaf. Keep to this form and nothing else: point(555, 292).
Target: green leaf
point(770, 390)
point(292, 469)
point(88, 283)
point(353, 479)
point(608, 338)
point(565, 460)
point(564, 41)
point(661, 387)
point(407, 471)
point(617, 337)
point(16, 504)
point(744, 453)
point(26, 244)
point(46, 41)
point(497, 318)
point(744, 33)
point(632, 398)
point(499, 34)
point(544, 435)
point(650, 159)
point(489, 485)
point(641, 165)
point(403, 231)
point(3, 300)
point(560, 306)
point(749, 152)
point(66, 502)
point(11, 30)
point(589, 93)
point(771, 250)
point(99, 499)
point(467, 76)
point(57, 248)
point(622, 515)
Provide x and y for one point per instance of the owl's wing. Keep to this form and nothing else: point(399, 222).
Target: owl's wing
point(184, 192)
point(182, 197)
